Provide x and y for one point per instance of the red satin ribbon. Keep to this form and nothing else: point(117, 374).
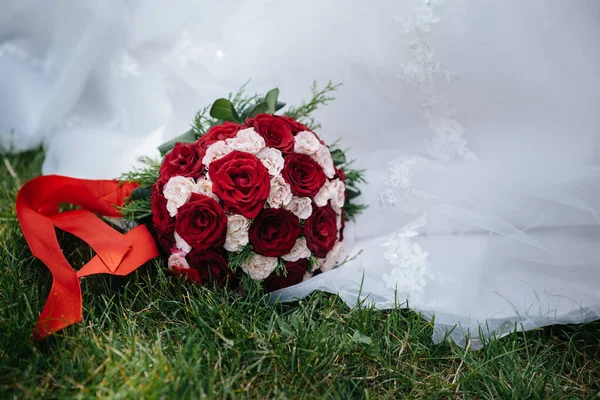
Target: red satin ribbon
point(116, 254)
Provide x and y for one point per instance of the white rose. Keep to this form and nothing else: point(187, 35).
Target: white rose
point(300, 206)
point(237, 233)
point(259, 267)
point(248, 141)
point(177, 192)
point(337, 195)
point(182, 244)
point(204, 186)
point(306, 143)
point(215, 151)
point(299, 251)
point(323, 157)
point(307, 275)
point(332, 257)
point(323, 196)
point(280, 193)
point(332, 190)
point(178, 260)
point(272, 159)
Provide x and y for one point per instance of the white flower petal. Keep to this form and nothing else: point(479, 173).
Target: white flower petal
point(259, 267)
point(237, 233)
point(247, 140)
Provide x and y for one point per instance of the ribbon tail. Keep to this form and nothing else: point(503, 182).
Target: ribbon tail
point(37, 210)
point(63, 307)
point(143, 249)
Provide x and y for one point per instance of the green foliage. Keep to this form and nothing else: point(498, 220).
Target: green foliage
point(320, 97)
point(137, 211)
point(236, 260)
point(351, 210)
point(202, 123)
point(145, 176)
point(151, 335)
point(244, 102)
point(227, 110)
point(186, 137)
point(271, 100)
point(281, 269)
point(261, 108)
point(354, 179)
point(313, 263)
point(138, 208)
point(223, 109)
point(348, 259)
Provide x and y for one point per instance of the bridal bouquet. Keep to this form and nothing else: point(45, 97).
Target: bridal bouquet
point(248, 195)
point(245, 197)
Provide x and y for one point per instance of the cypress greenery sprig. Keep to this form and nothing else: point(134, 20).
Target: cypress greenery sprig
point(202, 122)
point(236, 260)
point(144, 176)
point(320, 97)
point(281, 269)
point(138, 207)
point(242, 101)
point(135, 211)
point(313, 263)
point(354, 177)
point(351, 210)
point(348, 259)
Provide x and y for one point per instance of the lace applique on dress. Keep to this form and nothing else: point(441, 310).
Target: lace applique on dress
point(423, 70)
point(412, 270)
point(400, 192)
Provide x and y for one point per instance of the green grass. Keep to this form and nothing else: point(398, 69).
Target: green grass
point(151, 336)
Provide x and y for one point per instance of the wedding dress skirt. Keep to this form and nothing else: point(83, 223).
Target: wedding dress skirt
point(477, 122)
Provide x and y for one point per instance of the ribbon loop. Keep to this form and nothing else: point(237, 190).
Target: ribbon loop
point(37, 207)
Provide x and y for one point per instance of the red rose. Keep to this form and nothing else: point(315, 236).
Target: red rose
point(297, 127)
point(321, 231)
point(305, 175)
point(242, 182)
point(295, 275)
point(208, 266)
point(184, 160)
point(274, 232)
point(294, 125)
point(202, 223)
point(163, 223)
point(275, 130)
point(219, 132)
point(340, 174)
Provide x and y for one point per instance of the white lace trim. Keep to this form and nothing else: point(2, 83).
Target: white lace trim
point(400, 193)
point(412, 269)
point(423, 70)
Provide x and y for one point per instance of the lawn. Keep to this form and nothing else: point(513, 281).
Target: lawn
point(150, 335)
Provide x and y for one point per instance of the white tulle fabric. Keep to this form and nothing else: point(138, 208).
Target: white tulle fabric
point(476, 121)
